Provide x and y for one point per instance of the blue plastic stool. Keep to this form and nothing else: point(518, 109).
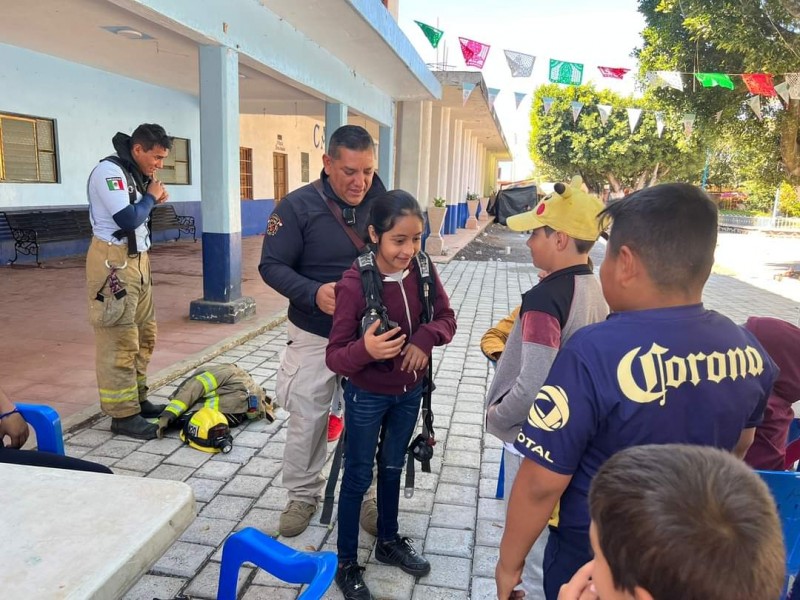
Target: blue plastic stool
point(47, 425)
point(785, 488)
point(250, 545)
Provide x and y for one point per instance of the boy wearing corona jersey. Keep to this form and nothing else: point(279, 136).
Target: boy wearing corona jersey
point(662, 369)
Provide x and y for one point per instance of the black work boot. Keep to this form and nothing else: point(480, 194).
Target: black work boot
point(351, 582)
point(150, 410)
point(135, 426)
point(401, 553)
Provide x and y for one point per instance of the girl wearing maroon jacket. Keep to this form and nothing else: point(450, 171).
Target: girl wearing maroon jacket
point(384, 392)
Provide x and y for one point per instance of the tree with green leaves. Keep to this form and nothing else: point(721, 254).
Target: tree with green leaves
point(562, 146)
point(729, 36)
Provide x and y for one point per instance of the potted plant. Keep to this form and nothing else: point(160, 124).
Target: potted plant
point(484, 202)
point(436, 214)
point(472, 208)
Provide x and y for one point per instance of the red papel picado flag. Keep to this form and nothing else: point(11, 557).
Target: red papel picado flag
point(759, 83)
point(613, 72)
point(474, 52)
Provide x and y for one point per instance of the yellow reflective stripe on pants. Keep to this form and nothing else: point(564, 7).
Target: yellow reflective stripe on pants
point(210, 387)
point(116, 396)
point(176, 407)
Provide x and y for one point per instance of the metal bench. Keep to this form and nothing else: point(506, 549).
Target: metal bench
point(164, 218)
point(32, 228)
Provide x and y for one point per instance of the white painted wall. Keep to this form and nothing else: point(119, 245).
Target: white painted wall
point(89, 107)
point(300, 134)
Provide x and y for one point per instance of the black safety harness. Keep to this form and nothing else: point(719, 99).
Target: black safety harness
point(130, 234)
point(421, 448)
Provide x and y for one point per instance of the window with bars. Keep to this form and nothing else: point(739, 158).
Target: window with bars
point(176, 169)
point(304, 167)
point(246, 173)
point(27, 150)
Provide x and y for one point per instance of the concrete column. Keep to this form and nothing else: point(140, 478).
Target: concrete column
point(436, 154)
point(479, 171)
point(386, 155)
point(222, 300)
point(440, 154)
point(422, 194)
point(335, 117)
point(456, 146)
point(474, 168)
point(409, 142)
point(466, 144)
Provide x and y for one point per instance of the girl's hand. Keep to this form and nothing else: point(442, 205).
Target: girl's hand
point(414, 359)
point(382, 347)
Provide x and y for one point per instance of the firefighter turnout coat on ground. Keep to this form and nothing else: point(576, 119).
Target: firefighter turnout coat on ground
point(225, 388)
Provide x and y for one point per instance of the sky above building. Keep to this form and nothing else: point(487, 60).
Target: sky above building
point(589, 32)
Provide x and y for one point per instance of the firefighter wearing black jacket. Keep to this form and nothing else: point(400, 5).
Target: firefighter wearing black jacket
point(306, 250)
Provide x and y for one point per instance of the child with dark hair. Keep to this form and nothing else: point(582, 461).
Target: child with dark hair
point(661, 369)
point(782, 341)
point(385, 371)
point(677, 521)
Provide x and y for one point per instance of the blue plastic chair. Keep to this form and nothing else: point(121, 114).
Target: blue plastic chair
point(785, 488)
point(501, 477)
point(251, 545)
point(47, 425)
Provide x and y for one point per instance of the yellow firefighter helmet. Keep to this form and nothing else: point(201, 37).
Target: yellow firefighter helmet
point(207, 430)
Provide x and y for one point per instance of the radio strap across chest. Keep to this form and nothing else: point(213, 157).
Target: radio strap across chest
point(336, 211)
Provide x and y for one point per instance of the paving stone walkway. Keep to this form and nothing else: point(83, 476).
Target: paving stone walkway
point(453, 515)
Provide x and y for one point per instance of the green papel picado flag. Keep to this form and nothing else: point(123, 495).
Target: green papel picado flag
point(434, 35)
point(565, 72)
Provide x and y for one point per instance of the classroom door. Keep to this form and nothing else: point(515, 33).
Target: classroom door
point(279, 175)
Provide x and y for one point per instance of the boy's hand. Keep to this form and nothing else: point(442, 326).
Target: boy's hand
point(580, 587)
point(15, 427)
point(382, 347)
point(414, 359)
point(506, 581)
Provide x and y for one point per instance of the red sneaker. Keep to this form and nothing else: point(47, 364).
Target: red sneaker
point(335, 426)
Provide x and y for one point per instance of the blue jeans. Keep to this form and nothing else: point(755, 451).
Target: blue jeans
point(373, 421)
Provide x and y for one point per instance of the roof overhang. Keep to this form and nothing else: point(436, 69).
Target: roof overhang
point(364, 35)
point(362, 47)
point(477, 114)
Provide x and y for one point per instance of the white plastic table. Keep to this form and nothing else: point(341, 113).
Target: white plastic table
point(69, 534)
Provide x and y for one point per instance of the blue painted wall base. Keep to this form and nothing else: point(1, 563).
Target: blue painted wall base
point(222, 312)
point(450, 219)
point(254, 222)
point(463, 213)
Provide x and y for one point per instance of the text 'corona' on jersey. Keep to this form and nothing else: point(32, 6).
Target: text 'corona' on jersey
point(646, 377)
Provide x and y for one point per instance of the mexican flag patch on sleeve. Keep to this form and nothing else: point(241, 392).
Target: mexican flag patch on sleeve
point(115, 183)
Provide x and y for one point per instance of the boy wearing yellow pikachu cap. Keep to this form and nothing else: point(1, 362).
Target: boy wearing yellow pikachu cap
point(565, 227)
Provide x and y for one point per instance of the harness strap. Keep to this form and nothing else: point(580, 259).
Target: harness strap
point(130, 234)
point(330, 487)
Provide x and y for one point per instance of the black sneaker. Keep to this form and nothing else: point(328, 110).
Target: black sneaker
point(401, 553)
point(351, 583)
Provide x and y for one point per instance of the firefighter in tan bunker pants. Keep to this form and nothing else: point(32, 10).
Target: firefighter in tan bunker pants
point(123, 191)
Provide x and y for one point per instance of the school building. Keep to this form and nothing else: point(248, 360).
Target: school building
point(249, 89)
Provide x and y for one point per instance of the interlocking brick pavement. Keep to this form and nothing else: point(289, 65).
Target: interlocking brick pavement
point(453, 514)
